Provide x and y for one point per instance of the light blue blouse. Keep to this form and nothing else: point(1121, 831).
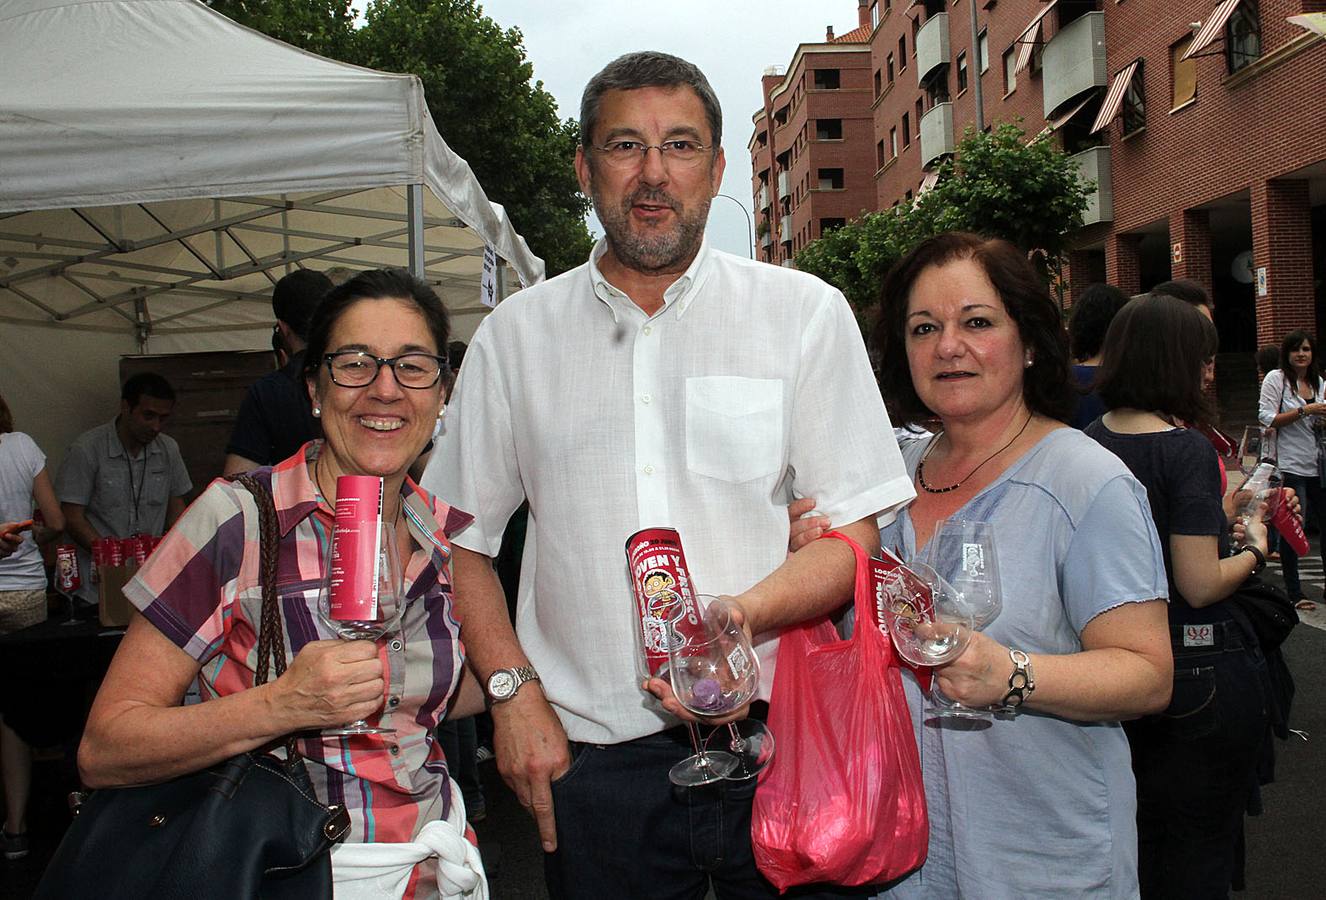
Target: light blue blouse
point(1036, 805)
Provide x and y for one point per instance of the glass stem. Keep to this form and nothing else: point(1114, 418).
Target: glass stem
point(701, 759)
point(738, 742)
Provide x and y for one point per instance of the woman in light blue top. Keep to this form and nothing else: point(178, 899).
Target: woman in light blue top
point(1041, 803)
point(1293, 397)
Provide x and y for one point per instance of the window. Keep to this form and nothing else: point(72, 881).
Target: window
point(1010, 77)
point(888, 4)
point(829, 224)
point(828, 129)
point(874, 15)
point(893, 142)
point(830, 179)
point(902, 53)
point(906, 131)
point(826, 79)
point(936, 91)
point(879, 83)
point(879, 155)
point(1134, 102)
point(916, 27)
point(908, 197)
point(1243, 36)
point(780, 116)
point(962, 71)
point(920, 111)
point(983, 50)
point(888, 67)
point(1182, 74)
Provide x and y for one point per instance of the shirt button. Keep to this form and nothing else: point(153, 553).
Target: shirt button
point(646, 398)
point(648, 330)
point(395, 750)
point(649, 470)
point(394, 702)
point(396, 645)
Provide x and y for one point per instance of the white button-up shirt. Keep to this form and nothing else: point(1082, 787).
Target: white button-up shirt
point(750, 385)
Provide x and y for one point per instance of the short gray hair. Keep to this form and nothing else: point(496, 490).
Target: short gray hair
point(648, 68)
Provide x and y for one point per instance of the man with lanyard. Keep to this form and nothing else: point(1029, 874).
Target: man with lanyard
point(275, 419)
point(663, 383)
point(125, 477)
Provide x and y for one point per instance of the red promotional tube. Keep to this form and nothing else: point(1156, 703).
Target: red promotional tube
point(355, 552)
point(66, 568)
point(112, 553)
point(1290, 528)
point(663, 591)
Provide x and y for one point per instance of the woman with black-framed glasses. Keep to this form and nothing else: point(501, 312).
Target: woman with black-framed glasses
point(201, 601)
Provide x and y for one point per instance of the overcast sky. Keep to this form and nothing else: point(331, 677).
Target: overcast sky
point(732, 41)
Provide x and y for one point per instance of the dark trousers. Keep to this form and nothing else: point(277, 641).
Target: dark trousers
point(623, 830)
point(460, 744)
point(1313, 502)
point(1196, 768)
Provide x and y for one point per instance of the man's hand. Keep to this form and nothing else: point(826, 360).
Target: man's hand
point(807, 529)
point(662, 687)
point(532, 752)
point(9, 540)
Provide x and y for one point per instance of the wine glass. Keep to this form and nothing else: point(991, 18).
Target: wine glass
point(930, 625)
point(713, 672)
point(362, 605)
point(1257, 445)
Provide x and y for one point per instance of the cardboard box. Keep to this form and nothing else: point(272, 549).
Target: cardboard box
point(112, 606)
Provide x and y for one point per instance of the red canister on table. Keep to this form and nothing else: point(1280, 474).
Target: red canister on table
point(67, 578)
point(663, 592)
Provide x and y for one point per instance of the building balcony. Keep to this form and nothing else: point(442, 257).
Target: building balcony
point(1074, 61)
point(932, 49)
point(762, 198)
point(937, 133)
point(1094, 166)
point(766, 240)
point(784, 190)
point(785, 229)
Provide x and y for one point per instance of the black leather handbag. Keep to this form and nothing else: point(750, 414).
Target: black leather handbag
point(250, 826)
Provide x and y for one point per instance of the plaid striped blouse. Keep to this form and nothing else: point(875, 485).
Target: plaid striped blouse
point(201, 589)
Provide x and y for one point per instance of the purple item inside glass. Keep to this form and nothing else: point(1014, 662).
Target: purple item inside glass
point(706, 694)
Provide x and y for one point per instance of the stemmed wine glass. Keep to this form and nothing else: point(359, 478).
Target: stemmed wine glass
point(965, 549)
point(714, 671)
point(366, 621)
point(928, 620)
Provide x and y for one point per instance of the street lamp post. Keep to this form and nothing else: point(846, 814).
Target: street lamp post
point(750, 223)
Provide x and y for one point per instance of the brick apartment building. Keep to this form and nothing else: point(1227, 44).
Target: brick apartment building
point(1210, 166)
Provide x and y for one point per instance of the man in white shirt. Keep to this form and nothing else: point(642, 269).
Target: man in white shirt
point(661, 384)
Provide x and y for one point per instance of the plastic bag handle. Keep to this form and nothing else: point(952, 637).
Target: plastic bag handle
point(864, 604)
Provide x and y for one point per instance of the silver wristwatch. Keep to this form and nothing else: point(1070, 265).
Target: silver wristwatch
point(503, 683)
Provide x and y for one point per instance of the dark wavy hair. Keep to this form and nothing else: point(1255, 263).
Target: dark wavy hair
point(1292, 342)
point(1091, 317)
point(1153, 358)
point(375, 284)
point(1046, 388)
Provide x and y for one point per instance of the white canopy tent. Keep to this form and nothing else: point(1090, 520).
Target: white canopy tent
point(162, 167)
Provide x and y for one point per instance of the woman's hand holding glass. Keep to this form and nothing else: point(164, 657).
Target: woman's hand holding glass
point(328, 684)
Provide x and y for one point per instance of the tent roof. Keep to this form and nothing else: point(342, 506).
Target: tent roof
point(161, 166)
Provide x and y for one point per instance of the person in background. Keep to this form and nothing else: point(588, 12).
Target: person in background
point(274, 420)
point(24, 482)
point(1195, 762)
point(693, 389)
point(1091, 316)
point(125, 477)
point(375, 375)
point(1292, 398)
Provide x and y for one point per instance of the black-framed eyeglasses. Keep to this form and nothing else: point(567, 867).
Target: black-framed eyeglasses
point(356, 368)
point(627, 154)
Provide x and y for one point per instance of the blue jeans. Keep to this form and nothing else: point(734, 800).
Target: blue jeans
point(1313, 502)
point(1196, 767)
point(623, 830)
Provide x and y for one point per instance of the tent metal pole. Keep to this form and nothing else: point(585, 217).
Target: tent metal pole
point(415, 222)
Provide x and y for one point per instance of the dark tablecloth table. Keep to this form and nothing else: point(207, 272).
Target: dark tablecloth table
point(49, 673)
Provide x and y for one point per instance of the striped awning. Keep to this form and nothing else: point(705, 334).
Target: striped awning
point(1114, 97)
point(1314, 22)
point(928, 182)
point(1211, 28)
point(1029, 38)
point(1058, 121)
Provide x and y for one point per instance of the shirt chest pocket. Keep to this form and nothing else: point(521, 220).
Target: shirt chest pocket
point(734, 427)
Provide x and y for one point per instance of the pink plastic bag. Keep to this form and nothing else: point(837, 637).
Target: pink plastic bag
point(842, 802)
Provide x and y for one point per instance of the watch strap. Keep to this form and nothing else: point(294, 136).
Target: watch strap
point(1021, 682)
point(521, 674)
point(1257, 555)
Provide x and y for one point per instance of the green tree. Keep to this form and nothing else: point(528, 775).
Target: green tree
point(479, 88)
point(324, 27)
point(994, 184)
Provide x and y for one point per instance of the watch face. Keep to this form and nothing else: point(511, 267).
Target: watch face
point(501, 684)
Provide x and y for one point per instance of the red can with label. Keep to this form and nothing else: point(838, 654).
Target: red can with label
point(66, 568)
point(139, 546)
point(113, 552)
point(663, 592)
point(355, 549)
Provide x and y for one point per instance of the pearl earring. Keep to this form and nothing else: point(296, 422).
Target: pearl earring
point(1026, 364)
point(317, 411)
